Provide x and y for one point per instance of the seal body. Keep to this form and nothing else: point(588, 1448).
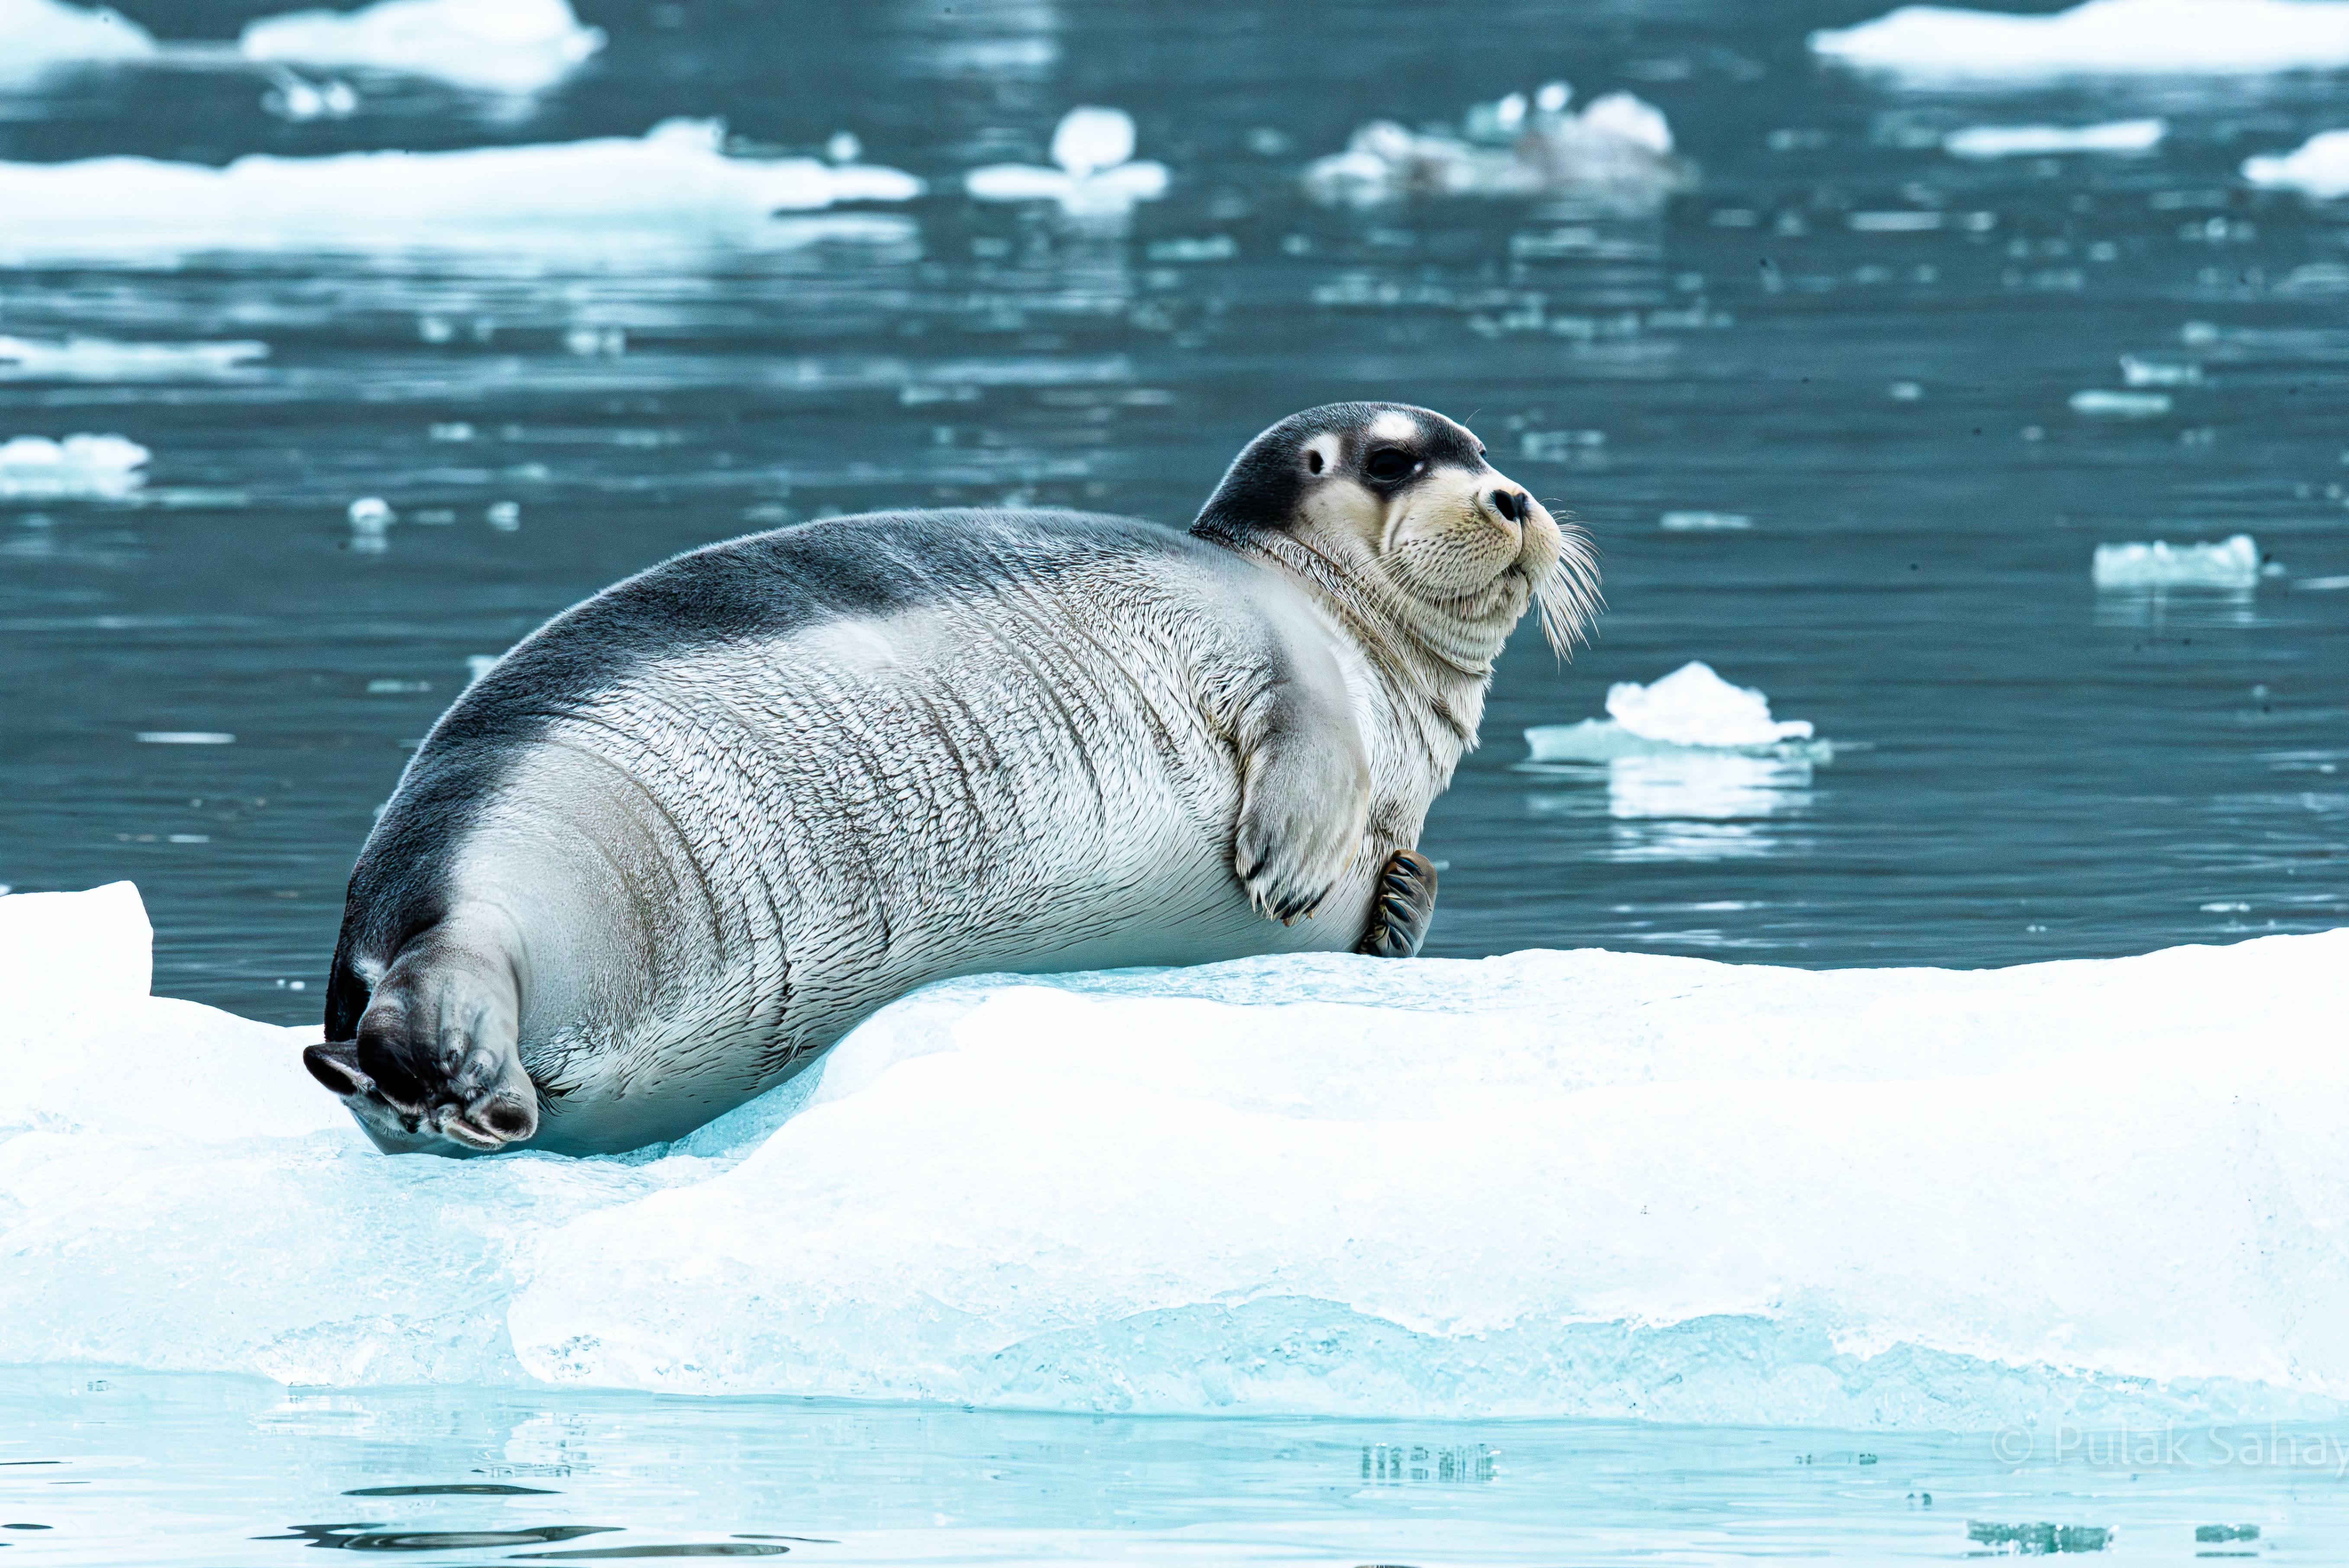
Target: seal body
point(694, 830)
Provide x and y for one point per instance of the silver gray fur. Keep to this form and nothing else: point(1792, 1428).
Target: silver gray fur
point(1110, 745)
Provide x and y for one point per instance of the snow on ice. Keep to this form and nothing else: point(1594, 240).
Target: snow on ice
point(2099, 37)
point(1692, 708)
point(674, 183)
point(39, 37)
point(2319, 167)
point(1617, 153)
point(79, 468)
point(1989, 141)
point(2233, 563)
point(1557, 1184)
point(1093, 168)
point(495, 46)
point(103, 359)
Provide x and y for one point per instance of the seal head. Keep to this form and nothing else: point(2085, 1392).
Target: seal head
point(1396, 516)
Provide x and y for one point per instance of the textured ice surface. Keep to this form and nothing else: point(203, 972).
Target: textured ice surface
point(1094, 169)
point(1987, 141)
point(2232, 562)
point(2165, 37)
point(2318, 166)
point(102, 359)
point(499, 45)
point(1617, 153)
point(1554, 1182)
point(37, 36)
point(673, 184)
point(79, 468)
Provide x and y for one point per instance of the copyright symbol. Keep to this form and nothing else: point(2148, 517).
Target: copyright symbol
point(2011, 1445)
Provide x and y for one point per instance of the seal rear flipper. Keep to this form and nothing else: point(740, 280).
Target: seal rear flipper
point(436, 1054)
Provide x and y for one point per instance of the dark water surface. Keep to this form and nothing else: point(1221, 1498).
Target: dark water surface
point(2039, 771)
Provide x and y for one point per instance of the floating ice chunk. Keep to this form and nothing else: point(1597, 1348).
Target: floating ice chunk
point(185, 738)
point(2233, 563)
point(2140, 372)
point(2099, 403)
point(2139, 37)
point(294, 98)
point(59, 948)
point(1616, 154)
point(1987, 141)
point(1554, 1183)
point(2319, 167)
point(1095, 170)
point(496, 46)
point(79, 468)
point(1703, 521)
point(100, 359)
point(1694, 707)
point(673, 185)
point(37, 36)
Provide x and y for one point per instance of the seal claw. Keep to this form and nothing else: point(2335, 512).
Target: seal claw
point(1402, 909)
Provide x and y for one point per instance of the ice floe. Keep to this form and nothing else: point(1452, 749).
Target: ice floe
point(1616, 154)
point(2099, 37)
point(1093, 168)
point(673, 185)
point(39, 37)
point(1551, 1183)
point(1692, 708)
point(1989, 141)
point(79, 468)
point(495, 46)
point(103, 359)
point(2101, 402)
point(2319, 167)
point(2232, 562)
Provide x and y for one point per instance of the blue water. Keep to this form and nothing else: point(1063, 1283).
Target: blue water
point(132, 1469)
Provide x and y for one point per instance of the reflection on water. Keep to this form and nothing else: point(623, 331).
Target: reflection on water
point(1858, 348)
point(131, 1469)
point(1685, 804)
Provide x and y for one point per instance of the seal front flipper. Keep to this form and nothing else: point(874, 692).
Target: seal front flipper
point(1305, 794)
point(1404, 908)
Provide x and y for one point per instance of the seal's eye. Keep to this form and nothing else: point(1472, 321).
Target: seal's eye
point(1313, 460)
point(1388, 464)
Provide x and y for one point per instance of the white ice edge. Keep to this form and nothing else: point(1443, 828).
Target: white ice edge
point(106, 360)
point(1993, 141)
point(1618, 151)
point(2319, 167)
point(1553, 1183)
point(497, 45)
point(78, 467)
point(2099, 37)
point(673, 184)
point(39, 37)
point(2232, 562)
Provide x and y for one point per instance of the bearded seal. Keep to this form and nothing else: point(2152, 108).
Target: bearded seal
point(691, 831)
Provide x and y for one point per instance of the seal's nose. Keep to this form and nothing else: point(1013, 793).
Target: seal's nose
point(1515, 505)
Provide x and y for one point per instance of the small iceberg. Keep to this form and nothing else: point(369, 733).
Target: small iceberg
point(1616, 155)
point(2319, 168)
point(2101, 403)
point(495, 46)
point(39, 37)
point(1983, 142)
point(102, 359)
point(79, 468)
point(2232, 563)
point(675, 184)
point(2099, 38)
point(1094, 169)
point(1691, 709)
